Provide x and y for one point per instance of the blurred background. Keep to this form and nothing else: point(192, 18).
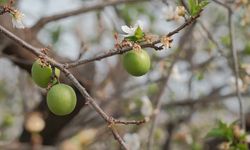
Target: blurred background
point(199, 91)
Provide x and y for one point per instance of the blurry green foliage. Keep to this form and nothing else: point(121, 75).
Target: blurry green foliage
point(222, 131)
point(159, 134)
point(55, 34)
point(152, 89)
point(7, 120)
point(246, 50)
point(199, 76)
point(196, 146)
point(227, 132)
point(225, 40)
point(3, 1)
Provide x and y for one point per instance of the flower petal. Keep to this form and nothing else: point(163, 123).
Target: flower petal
point(126, 29)
point(140, 24)
point(126, 35)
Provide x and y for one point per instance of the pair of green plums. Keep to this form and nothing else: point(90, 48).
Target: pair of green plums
point(61, 98)
point(136, 62)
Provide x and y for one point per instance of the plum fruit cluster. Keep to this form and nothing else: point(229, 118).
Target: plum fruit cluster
point(61, 98)
point(136, 62)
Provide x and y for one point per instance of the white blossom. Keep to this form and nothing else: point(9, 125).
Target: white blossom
point(132, 141)
point(147, 108)
point(17, 19)
point(180, 10)
point(130, 31)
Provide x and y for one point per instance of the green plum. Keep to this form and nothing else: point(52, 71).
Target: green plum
point(136, 62)
point(61, 99)
point(41, 75)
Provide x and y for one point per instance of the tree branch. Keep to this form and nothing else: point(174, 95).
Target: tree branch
point(236, 70)
point(43, 21)
point(201, 101)
point(159, 99)
point(126, 49)
point(89, 99)
point(235, 62)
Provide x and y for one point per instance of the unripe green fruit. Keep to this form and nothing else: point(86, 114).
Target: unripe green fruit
point(136, 62)
point(61, 99)
point(42, 75)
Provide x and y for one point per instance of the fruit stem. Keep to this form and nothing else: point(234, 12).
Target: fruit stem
point(137, 47)
point(52, 78)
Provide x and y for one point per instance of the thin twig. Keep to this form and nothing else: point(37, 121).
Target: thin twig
point(135, 122)
point(203, 100)
point(211, 38)
point(236, 71)
point(159, 98)
point(159, 101)
point(43, 21)
point(123, 50)
point(235, 63)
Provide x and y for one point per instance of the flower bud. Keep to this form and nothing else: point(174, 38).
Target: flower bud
point(180, 10)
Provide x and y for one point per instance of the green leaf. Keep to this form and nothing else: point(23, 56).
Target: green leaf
point(192, 6)
point(216, 132)
point(195, 6)
point(222, 131)
point(227, 130)
point(222, 125)
point(203, 4)
point(131, 38)
point(139, 33)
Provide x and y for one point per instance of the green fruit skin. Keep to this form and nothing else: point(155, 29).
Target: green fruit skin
point(136, 62)
point(41, 75)
point(61, 99)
